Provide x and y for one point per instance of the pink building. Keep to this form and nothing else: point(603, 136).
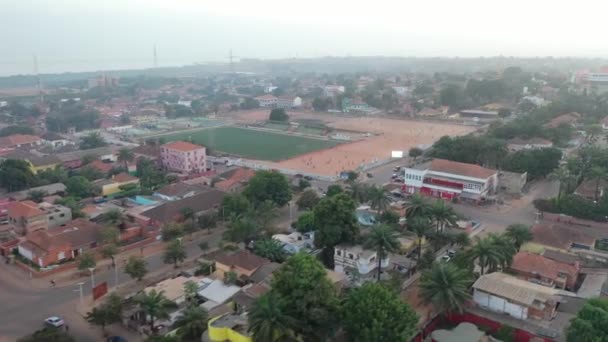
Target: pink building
point(183, 157)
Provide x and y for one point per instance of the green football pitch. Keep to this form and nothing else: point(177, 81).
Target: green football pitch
point(248, 143)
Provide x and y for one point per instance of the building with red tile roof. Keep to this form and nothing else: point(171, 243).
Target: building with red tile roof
point(564, 119)
point(449, 179)
point(183, 157)
point(100, 166)
point(538, 269)
point(243, 263)
point(234, 180)
point(26, 217)
point(20, 140)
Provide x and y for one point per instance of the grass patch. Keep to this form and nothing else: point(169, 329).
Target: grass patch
point(253, 144)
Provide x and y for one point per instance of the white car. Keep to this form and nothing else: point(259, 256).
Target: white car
point(54, 321)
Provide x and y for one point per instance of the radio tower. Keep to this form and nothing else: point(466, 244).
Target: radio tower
point(231, 57)
point(38, 81)
point(155, 57)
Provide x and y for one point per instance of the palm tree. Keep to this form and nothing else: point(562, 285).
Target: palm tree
point(154, 305)
point(189, 215)
point(125, 156)
point(519, 234)
point(446, 287)
point(486, 254)
point(191, 322)
point(382, 240)
point(562, 175)
point(420, 226)
point(418, 206)
point(598, 174)
point(443, 215)
point(378, 197)
point(269, 319)
point(270, 249)
point(506, 249)
point(359, 191)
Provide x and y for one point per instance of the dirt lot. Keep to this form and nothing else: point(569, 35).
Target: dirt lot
point(388, 135)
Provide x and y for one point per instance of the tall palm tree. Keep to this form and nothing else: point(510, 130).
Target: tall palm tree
point(418, 206)
point(189, 215)
point(383, 240)
point(191, 322)
point(154, 305)
point(446, 287)
point(519, 234)
point(378, 197)
point(359, 191)
point(506, 249)
point(269, 319)
point(420, 226)
point(443, 215)
point(598, 174)
point(564, 177)
point(486, 254)
point(125, 156)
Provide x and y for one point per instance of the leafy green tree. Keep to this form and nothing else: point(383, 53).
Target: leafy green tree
point(598, 174)
point(373, 313)
point(270, 319)
point(10, 130)
point(270, 249)
point(112, 217)
point(174, 253)
point(446, 287)
point(443, 215)
point(86, 260)
point(306, 222)
point(504, 112)
point(303, 184)
point(191, 293)
point(154, 305)
point(452, 95)
point(415, 152)
point(268, 185)
point(79, 186)
point(136, 267)
point(302, 282)
point(48, 334)
point(538, 163)
point(563, 176)
point(263, 215)
point(378, 198)
point(249, 103)
point(16, 175)
point(389, 217)
point(91, 141)
point(241, 229)
point(333, 190)
point(36, 195)
point(207, 221)
point(336, 223)
point(427, 260)
point(108, 313)
point(308, 199)
point(589, 325)
point(191, 322)
point(172, 231)
point(125, 156)
point(149, 176)
point(188, 215)
point(278, 114)
point(383, 240)
point(421, 226)
point(519, 234)
point(359, 191)
point(234, 204)
point(91, 173)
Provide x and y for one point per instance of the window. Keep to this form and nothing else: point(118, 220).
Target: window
point(338, 252)
point(350, 256)
point(51, 218)
point(61, 215)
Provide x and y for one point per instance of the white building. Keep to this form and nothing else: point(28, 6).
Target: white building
point(289, 102)
point(349, 257)
point(401, 91)
point(269, 89)
point(536, 100)
point(448, 179)
point(267, 101)
point(296, 241)
point(333, 90)
point(517, 144)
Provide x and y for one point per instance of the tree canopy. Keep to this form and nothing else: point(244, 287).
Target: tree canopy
point(278, 114)
point(268, 185)
point(589, 325)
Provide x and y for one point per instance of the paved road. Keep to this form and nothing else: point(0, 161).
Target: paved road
point(24, 306)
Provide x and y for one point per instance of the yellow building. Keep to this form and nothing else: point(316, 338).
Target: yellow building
point(112, 186)
point(229, 327)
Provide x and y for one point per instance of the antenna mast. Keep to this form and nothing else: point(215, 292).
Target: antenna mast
point(38, 81)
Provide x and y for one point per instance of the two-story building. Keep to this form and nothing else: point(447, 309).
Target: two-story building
point(243, 263)
point(545, 271)
point(267, 101)
point(26, 217)
point(354, 257)
point(289, 102)
point(184, 157)
point(448, 179)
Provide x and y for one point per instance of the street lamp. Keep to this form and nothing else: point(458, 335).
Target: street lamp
point(290, 212)
point(115, 275)
point(92, 270)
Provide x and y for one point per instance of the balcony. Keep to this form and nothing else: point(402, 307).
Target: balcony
point(443, 183)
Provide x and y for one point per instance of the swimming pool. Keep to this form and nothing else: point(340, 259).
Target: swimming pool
point(142, 200)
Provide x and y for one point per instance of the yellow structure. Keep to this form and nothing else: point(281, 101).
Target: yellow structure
point(112, 186)
point(229, 327)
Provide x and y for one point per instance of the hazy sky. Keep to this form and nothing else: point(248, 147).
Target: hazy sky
point(76, 35)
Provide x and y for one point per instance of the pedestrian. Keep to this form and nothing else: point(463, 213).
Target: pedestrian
point(67, 328)
point(53, 283)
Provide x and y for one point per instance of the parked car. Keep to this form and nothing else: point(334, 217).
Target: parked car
point(54, 321)
point(370, 175)
point(397, 168)
point(451, 253)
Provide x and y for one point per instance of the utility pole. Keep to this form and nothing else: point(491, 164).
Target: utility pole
point(81, 293)
point(38, 81)
point(92, 270)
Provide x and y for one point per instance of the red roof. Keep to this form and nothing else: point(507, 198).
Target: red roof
point(182, 146)
point(24, 209)
point(75, 234)
point(123, 178)
point(526, 262)
point(462, 169)
point(560, 235)
point(241, 175)
point(18, 139)
point(242, 259)
point(100, 165)
point(568, 118)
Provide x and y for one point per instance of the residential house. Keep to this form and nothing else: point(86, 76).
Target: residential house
point(477, 114)
point(357, 106)
point(288, 102)
point(113, 185)
point(172, 288)
point(234, 180)
point(267, 101)
point(448, 179)
point(243, 263)
point(36, 162)
point(401, 91)
point(517, 144)
point(354, 257)
point(20, 141)
point(506, 294)
point(150, 152)
point(296, 242)
point(56, 140)
point(170, 211)
point(179, 190)
point(51, 189)
point(50, 247)
point(591, 189)
point(333, 90)
point(229, 327)
point(544, 271)
point(570, 119)
point(215, 292)
point(73, 160)
point(26, 217)
point(101, 166)
point(57, 215)
point(185, 157)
